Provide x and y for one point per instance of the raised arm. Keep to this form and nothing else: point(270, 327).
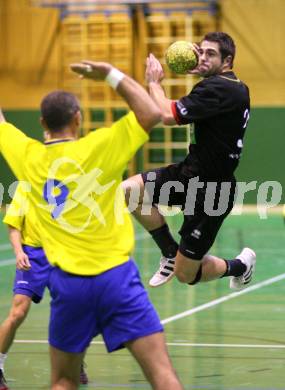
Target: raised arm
point(13, 143)
point(154, 75)
point(139, 101)
point(2, 118)
point(22, 260)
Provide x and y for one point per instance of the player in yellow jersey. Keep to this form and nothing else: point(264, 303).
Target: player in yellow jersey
point(32, 273)
point(87, 233)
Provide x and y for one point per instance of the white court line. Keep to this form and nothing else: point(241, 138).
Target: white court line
point(46, 342)
point(138, 237)
point(223, 299)
point(6, 262)
point(200, 308)
point(4, 247)
point(275, 346)
point(198, 345)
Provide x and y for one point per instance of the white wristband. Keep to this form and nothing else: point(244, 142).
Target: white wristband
point(114, 77)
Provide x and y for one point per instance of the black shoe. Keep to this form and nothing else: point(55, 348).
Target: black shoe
point(3, 383)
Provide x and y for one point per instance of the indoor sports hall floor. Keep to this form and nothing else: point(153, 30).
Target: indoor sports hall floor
point(217, 339)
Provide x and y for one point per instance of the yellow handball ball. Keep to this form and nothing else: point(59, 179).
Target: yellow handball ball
point(180, 57)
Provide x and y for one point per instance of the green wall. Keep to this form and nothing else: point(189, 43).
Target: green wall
point(264, 149)
point(263, 157)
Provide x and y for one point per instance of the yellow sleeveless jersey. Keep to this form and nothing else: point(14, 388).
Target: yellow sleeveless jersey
point(75, 188)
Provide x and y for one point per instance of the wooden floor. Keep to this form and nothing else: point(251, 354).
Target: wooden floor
point(217, 339)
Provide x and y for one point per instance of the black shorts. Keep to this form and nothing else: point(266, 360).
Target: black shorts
point(205, 204)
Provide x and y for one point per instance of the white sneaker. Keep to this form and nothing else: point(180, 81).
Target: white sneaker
point(164, 274)
point(247, 257)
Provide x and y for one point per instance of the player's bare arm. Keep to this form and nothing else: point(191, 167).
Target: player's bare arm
point(2, 118)
point(154, 75)
point(22, 260)
point(147, 113)
point(91, 70)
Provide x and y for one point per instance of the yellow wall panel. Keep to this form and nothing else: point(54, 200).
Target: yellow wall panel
point(31, 59)
point(258, 27)
point(3, 29)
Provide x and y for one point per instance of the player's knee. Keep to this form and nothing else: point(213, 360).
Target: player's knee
point(126, 186)
point(189, 278)
point(17, 316)
point(181, 276)
point(19, 312)
point(133, 190)
point(197, 277)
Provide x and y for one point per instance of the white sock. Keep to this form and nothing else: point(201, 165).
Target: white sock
point(2, 360)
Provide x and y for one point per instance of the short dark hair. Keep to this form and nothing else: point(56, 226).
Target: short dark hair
point(58, 109)
point(226, 44)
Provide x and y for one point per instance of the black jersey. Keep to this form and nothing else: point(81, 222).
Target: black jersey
point(219, 108)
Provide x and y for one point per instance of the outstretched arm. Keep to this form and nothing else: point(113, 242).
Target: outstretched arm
point(13, 144)
point(139, 101)
point(22, 260)
point(2, 118)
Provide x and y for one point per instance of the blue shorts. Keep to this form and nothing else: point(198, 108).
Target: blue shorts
point(114, 304)
point(33, 282)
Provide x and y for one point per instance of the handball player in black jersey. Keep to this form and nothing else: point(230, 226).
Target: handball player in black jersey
point(203, 185)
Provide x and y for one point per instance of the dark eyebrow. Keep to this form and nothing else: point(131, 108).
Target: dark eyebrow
point(211, 50)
